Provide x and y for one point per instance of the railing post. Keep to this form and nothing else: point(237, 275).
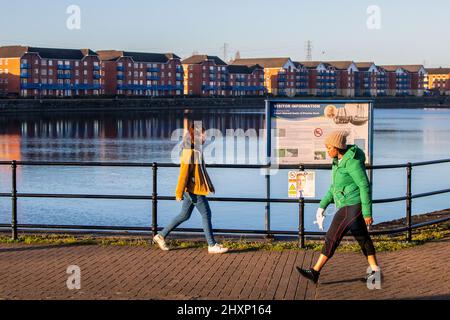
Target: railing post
point(155, 200)
point(267, 208)
point(301, 218)
point(301, 223)
point(14, 200)
point(409, 202)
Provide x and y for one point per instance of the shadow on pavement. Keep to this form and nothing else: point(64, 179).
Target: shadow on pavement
point(343, 281)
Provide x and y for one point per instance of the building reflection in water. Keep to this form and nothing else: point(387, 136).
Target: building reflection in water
point(134, 136)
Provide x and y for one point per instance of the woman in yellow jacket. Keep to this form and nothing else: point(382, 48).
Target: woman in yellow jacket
point(193, 186)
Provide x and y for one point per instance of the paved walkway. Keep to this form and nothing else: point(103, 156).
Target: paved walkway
point(39, 272)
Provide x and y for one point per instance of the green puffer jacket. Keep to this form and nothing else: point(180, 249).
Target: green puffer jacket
point(350, 184)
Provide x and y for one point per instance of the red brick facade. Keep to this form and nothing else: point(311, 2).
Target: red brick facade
point(142, 74)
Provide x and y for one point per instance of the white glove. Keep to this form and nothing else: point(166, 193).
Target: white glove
point(320, 217)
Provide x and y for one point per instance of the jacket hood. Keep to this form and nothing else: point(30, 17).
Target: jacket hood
point(353, 152)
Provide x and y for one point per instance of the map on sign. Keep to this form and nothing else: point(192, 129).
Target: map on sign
point(299, 129)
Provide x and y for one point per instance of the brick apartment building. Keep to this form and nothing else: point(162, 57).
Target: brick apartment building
point(419, 81)
point(282, 77)
point(141, 74)
point(322, 80)
point(439, 80)
point(347, 79)
point(245, 80)
point(399, 81)
point(372, 80)
point(205, 76)
point(406, 80)
point(46, 72)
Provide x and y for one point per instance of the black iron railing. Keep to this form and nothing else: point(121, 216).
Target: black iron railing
point(155, 198)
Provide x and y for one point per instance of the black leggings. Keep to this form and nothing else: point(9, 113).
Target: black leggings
point(348, 219)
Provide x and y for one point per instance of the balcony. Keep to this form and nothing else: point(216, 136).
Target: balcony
point(120, 68)
point(209, 88)
point(30, 85)
point(154, 78)
point(25, 75)
point(179, 78)
point(96, 68)
point(64, 67)
point(120, 77)
point(24, 66)
point(153, 69)
point(97, 76)
point(64, 76)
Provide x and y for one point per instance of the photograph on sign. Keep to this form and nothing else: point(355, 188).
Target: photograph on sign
point(301, 184)
point(300, 129)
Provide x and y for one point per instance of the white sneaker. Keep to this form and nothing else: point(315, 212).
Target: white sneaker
point(159, 240)
point(217, 249)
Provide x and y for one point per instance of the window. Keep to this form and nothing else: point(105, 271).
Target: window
point(44, 62)
point(50, 63)
point(77, 63)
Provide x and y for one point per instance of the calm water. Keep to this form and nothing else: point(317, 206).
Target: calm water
point(400, 136)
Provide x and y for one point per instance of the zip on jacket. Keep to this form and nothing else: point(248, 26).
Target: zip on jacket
point(193, 176)
point(350, 184)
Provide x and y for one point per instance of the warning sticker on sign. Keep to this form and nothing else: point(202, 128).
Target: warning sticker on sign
point(301, 184)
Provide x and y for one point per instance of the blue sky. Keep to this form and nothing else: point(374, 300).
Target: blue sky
point(411, 31)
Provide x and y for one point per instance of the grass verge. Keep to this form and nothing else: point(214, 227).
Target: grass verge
point(382, 243)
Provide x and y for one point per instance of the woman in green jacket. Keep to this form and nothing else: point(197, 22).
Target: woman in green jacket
point(350, 192)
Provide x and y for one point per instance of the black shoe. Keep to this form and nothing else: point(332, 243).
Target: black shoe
point(309, 274)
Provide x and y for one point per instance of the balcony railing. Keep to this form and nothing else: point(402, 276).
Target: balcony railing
point(64, 67)
point(64, 76)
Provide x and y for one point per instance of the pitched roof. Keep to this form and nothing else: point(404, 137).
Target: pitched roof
point(113, 55)
point(412, 67)
point(199, 58)
point(313, 64)
point(363, 66)
point(46, 53)
point(243, 69)
point(264, 62)
point(340, 65)
point(390, 68)
point(299, 65)
point(439, 70)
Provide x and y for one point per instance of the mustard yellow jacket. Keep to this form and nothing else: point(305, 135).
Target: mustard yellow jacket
point(193, 177)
